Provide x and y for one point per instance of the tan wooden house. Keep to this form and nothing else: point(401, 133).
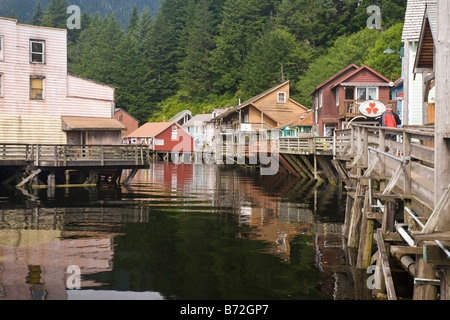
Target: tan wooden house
point(264, 112)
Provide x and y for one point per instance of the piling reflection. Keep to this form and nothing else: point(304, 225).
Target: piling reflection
point(178, 232)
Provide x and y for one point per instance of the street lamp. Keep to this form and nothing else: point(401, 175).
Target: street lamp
point(400, 50)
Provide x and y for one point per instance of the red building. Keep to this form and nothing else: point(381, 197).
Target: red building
point(130, 122)
point(337, 101)
point(163, 136)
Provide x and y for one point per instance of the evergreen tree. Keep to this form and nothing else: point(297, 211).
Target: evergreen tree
point(274, 58)
point(55, 14)
point(38, 13)
point(242, 23)
point(194, 74)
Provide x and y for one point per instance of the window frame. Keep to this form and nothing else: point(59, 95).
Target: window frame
point(2, 48)
point(32, 41)
point(367, 93)
point(43, 87)
point(2, 77)
point(281, 97)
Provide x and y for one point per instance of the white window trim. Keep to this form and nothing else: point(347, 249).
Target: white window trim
point(1, 84)
point(43, 51)
point(281, 97)
point(320, 98)
point(43, 88)
point(2, 48)
point(367, 90)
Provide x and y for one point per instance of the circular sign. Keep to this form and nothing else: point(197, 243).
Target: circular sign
point(372, 108)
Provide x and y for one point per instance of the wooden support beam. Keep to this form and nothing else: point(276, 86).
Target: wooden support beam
point(31, 176)
point(130, 177)
point(388, 222)
point(288, 166)
point(310, 167)
point(390, 289)
point(303, 167)
point(424, 270)
point(327, 170)
point(355, 223)
point(366, 236)
point(342, 172)
point(297, 168)
point(441, 209)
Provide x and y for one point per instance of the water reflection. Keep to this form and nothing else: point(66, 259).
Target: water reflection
point(179, 232)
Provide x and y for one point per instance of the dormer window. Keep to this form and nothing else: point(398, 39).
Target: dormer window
point(37, 51)
point(281, 97)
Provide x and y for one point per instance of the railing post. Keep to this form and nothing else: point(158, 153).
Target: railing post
point(365, 145)
point(352, 140)
point(381, 147)
point(334, 143)
point(36, 163)
point(136, 159)
point(65, 155)
point(55, 150)
point(407, 167)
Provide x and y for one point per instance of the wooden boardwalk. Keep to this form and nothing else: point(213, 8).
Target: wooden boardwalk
point(22, 164)
point(393, 219)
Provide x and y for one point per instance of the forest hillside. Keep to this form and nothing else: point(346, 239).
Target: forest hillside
point(205, 54)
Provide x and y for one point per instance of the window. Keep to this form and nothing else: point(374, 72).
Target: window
point(37, 88)
point(337, 95)
point(320, 99)
point(37, 51)
point(370, 93)
point(281, 97)
point(2, 56)
point(121, 117)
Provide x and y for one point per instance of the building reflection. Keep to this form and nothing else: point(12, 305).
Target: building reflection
point(39, 242)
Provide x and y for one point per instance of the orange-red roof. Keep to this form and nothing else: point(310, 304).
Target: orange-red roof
point(150, 129)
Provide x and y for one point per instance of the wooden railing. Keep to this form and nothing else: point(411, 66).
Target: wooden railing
point(74, 155)
point(351, 107)
point(404, 155)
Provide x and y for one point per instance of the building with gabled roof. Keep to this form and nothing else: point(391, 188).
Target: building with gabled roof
point(413, 105)
point(163, 136)
point(262, 112)
point(336, 101)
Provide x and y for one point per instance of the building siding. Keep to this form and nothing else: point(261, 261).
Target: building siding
point(184, 143)
point(31, 129)
point(64, 95)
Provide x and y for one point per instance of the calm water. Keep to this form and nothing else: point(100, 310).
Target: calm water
point(180, 232)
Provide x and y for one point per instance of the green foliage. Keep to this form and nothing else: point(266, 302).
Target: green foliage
point(387, 65)
point(345, 51)
point(205, 54)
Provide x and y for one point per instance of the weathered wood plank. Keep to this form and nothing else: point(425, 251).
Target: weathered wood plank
point(390, 289)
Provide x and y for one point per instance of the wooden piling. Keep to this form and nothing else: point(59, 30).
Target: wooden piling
point(424, 270)
point(355, 222)
point(366, 236)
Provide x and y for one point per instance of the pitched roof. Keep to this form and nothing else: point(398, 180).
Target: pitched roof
point(304, 120)
point(205, 117)
point(415, 11)
point(251, 100)
point(180, 115)
point(383, 78)
point(150, 129)
point(334, 77)
point(91, 123)
point(278, 112)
